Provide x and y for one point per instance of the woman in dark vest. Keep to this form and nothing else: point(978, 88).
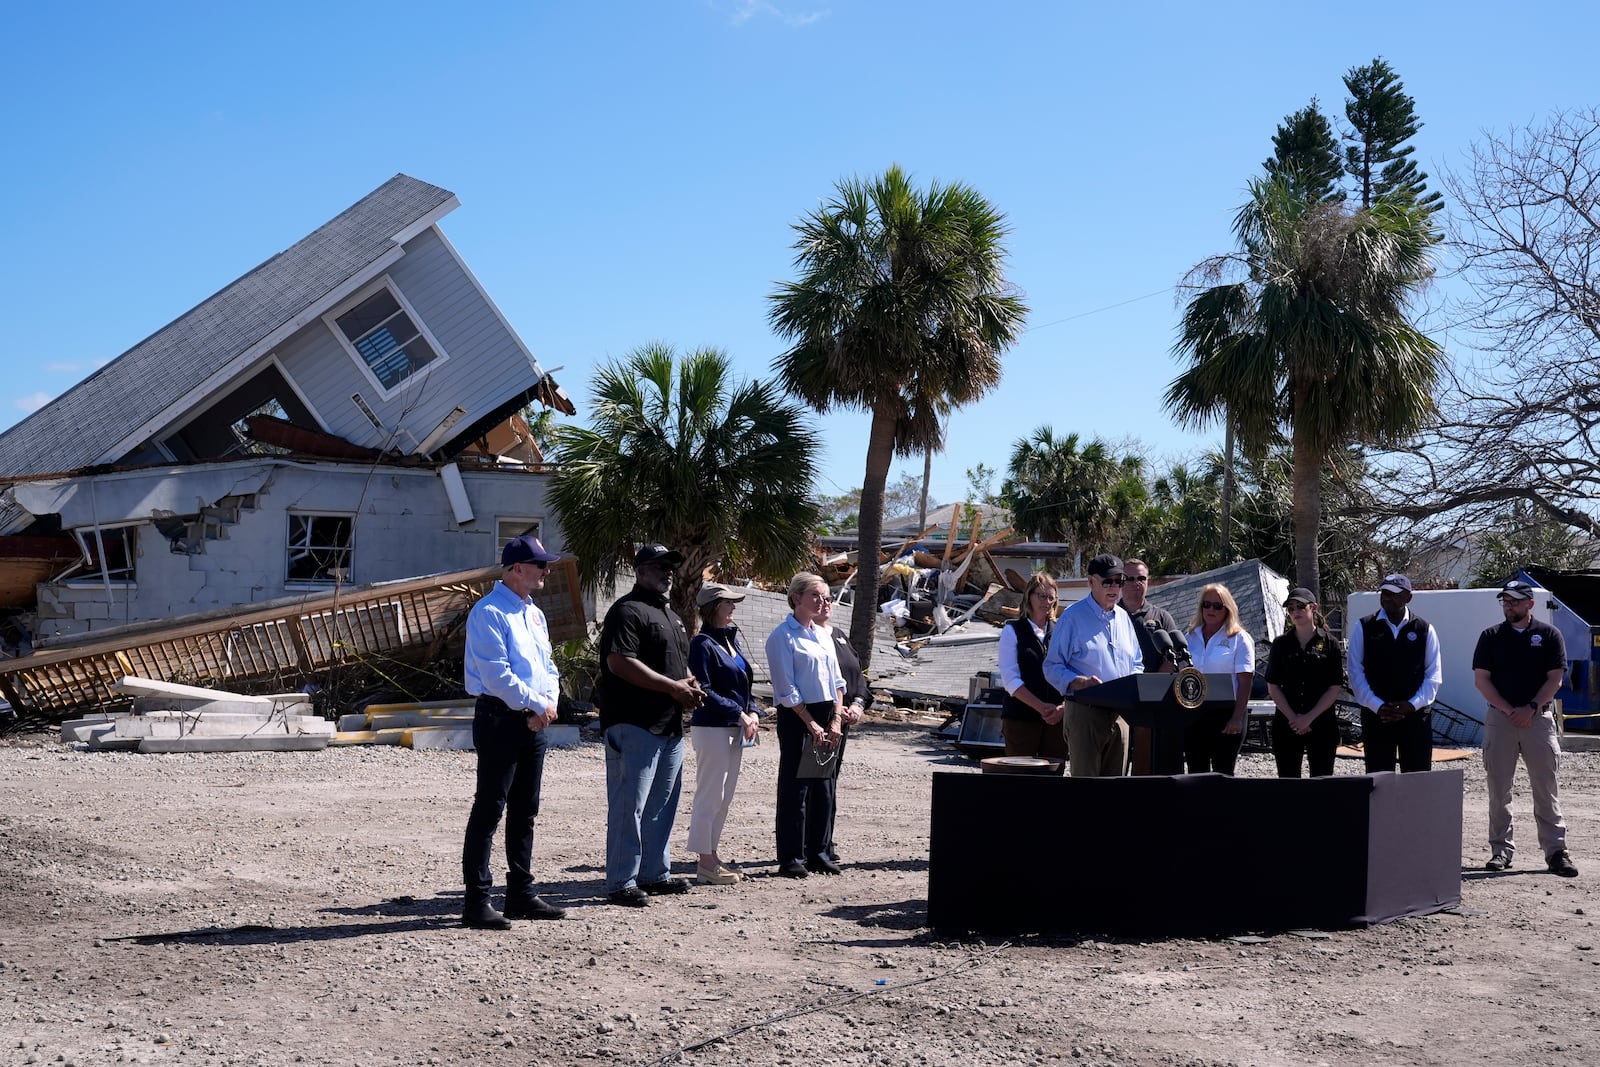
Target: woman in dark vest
point(1031, 718)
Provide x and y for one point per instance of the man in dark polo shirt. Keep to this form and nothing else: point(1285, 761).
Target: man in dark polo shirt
point(645, 687)
point(1518, 666)
point(1146, 617)
point(1394, 675)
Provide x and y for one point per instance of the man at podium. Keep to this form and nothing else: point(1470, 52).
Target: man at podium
point(1094, 642)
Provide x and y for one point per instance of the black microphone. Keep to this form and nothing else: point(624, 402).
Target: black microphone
point(1163, 643)
point(1180, 648)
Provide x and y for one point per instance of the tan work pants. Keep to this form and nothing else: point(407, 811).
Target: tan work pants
point(1097, 741)
point(1536, 743)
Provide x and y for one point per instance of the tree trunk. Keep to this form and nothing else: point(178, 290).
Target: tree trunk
point(1229, 444)
point(927, 475)
point(1307, 506)
point(686, 585)
point(880, 454)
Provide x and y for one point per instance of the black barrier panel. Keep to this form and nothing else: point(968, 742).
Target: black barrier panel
point(1200, 854)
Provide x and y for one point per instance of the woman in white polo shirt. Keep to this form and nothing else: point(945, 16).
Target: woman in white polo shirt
point(1219, 645)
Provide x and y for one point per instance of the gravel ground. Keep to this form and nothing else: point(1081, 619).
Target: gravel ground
point(300, 908)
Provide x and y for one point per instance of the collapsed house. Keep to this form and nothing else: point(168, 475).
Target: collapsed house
point(345, 415)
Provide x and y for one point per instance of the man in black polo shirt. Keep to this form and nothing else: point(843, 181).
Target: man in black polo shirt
point(1518, 666)
point(1146, 617)
point(1394, 675)
point(645, 687)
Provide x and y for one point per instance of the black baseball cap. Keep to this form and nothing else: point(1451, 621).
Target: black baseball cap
point(654, 553)
point(1395, 583)
point(1104, 565)
point(1515, 590)
point(1302, 594)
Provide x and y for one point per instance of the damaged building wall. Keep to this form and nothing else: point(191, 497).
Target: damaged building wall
point(400, 523)
point(480, 361)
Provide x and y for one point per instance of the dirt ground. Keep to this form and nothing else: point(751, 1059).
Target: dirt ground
point(301, 908)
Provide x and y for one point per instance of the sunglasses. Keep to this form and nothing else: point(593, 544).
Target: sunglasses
point(1110, 581)
point(1213, 605)
point(1295, 605)
point(1136, 578)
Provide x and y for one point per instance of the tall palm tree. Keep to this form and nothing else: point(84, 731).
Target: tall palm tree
point(1060, 492)
point(682, 453)
point(1314, 339)
point(900, 309)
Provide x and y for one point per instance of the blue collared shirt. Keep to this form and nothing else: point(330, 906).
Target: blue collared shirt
point(803, 666)
point(1088, 639)
point(508, 652)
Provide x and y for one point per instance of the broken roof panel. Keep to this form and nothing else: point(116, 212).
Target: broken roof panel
point(91, 423)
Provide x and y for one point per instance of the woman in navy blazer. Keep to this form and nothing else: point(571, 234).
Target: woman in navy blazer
point(719, 727)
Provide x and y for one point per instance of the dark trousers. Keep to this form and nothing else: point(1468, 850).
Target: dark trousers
point(1207, 748)
point(805, 805)
point(1410, 740)
point(1316, 747)
point(510, 771)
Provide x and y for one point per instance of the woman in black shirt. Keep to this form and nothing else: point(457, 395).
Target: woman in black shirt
point(1305, 675)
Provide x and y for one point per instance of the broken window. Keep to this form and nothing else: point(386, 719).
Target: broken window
point(385, 334)
point(121, 553)
point(320, 549)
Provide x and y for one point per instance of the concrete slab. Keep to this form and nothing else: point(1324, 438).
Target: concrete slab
point(404, 719)
point(275, 743)
point(79, 729)
point(221, 726)
point(438, 738)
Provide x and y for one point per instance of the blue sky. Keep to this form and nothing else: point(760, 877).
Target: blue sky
point(629, 172)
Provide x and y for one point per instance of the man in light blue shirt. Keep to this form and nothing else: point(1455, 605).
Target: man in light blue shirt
point(508, 666)
point(1094, 641)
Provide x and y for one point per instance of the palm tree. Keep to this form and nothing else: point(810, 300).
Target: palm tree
point(1059, 492)
point(680, 452)
point(1315, 338)
point(901, 309)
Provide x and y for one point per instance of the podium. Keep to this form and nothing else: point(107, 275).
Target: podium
point(1156, 721)
point(1191, 855)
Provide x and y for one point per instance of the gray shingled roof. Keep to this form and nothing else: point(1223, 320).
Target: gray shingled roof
point(79, 427)
point(1257, 589)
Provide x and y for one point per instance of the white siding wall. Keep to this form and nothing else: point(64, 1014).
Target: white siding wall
point(404, 528)
point(485, 367)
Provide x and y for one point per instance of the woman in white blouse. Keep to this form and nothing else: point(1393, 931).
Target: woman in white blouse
point(1219, 645)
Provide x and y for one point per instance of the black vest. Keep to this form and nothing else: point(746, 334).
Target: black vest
point(1395, 663)
point(1030, 663)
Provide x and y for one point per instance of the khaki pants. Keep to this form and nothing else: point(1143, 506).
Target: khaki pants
point(1097, 741)
point(1540, 751)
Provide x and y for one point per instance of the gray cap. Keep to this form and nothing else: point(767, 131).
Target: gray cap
point(711, 591)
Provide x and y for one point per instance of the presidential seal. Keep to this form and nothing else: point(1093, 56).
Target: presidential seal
point(1189, 688)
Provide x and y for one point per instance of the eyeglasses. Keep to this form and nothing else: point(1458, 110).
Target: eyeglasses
point(1136, 578)
point(1111, 581)
point(1295, 605)
point(821, 598)
point(1213, 605)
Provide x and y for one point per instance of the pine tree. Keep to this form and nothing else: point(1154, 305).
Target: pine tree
point(1306, 153)
point(1382, 119)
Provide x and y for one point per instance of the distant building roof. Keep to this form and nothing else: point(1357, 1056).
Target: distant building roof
point(92, 421)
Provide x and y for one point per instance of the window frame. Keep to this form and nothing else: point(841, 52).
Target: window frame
point(90, 575)
point(289, 545)
point(524, 521)
point(367, 292)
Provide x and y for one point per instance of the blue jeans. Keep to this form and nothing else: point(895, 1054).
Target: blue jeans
point(644, 778)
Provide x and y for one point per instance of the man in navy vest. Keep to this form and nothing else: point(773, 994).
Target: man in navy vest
point(1395, 675)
